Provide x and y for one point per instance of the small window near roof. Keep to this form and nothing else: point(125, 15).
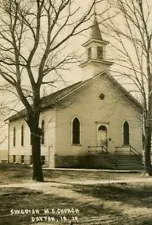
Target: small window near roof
point(102, 96)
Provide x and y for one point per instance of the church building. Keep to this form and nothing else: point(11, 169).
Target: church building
point(85, 125)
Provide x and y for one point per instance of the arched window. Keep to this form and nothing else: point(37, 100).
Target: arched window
point(14, 136)
point(126, 133)
point(76, 131)
point(22, 135)
point(42, 127)
point(99, 52)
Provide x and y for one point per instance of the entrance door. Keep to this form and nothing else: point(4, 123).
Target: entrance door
point(102, 136)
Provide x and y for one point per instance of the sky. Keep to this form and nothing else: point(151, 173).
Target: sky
point(75, 73)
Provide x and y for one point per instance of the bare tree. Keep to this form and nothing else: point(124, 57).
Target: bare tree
point(33, 35)
point(131, 33)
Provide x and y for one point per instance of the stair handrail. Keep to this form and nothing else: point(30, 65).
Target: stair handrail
point(134, 151)
point(131, 149)
point(117, 147)
point(103, 148)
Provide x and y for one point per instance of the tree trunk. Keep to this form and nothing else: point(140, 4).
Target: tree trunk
point(148, 167)
point(36, 153)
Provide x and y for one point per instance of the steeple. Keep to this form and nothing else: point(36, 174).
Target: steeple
point(95, 30)
point(95, 61)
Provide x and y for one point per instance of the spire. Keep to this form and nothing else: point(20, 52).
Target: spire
point(95, 30)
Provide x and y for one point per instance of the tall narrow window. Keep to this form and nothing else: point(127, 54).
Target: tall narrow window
point(126, 133)
point(76, 131)
point(22, 135)
point(42, 160)
point(99, 52)
point(30, 138)
point(42, 127)
point(89, 53)
point(14, 136)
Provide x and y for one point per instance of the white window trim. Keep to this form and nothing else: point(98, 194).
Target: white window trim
point(72, 132)
point(122, 133)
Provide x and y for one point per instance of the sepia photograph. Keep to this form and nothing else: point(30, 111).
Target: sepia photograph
point(75, 112)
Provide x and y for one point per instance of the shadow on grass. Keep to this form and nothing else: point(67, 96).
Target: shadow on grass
point(22, 198)
point(133, 195)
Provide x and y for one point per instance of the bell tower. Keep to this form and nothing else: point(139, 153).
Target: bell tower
point(95, 53)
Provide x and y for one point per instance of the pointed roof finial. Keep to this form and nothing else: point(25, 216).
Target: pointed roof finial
point(95, 9)
point(95, 30)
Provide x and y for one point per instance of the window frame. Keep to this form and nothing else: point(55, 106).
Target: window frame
point(99, 54)
point(22, 135)
point(127, 130)
point(89, 53)
point(14, 137)
point(76, 141)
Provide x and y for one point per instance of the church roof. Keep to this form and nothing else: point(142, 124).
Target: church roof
point(51, 100)
point(95, 30)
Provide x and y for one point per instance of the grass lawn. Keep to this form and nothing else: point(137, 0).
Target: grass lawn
point(105, 204)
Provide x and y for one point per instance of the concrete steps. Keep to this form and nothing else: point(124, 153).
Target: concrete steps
point(115, 161)
point(129, 162)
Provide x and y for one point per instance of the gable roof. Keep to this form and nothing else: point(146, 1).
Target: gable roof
point(51, 100)
point(131, 98)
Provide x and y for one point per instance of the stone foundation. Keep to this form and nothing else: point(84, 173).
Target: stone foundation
point(86, 162)
point(27, 160)
point(71, 161)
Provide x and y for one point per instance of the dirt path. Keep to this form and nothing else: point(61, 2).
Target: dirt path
point(66, 190)
point(44, 186)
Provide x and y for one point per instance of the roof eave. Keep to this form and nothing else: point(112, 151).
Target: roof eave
point(97, 41)
point(105, 62)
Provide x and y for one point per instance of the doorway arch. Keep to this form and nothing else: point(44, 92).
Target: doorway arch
point(102, 136)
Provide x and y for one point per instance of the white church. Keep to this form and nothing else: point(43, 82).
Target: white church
point(85, 121)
